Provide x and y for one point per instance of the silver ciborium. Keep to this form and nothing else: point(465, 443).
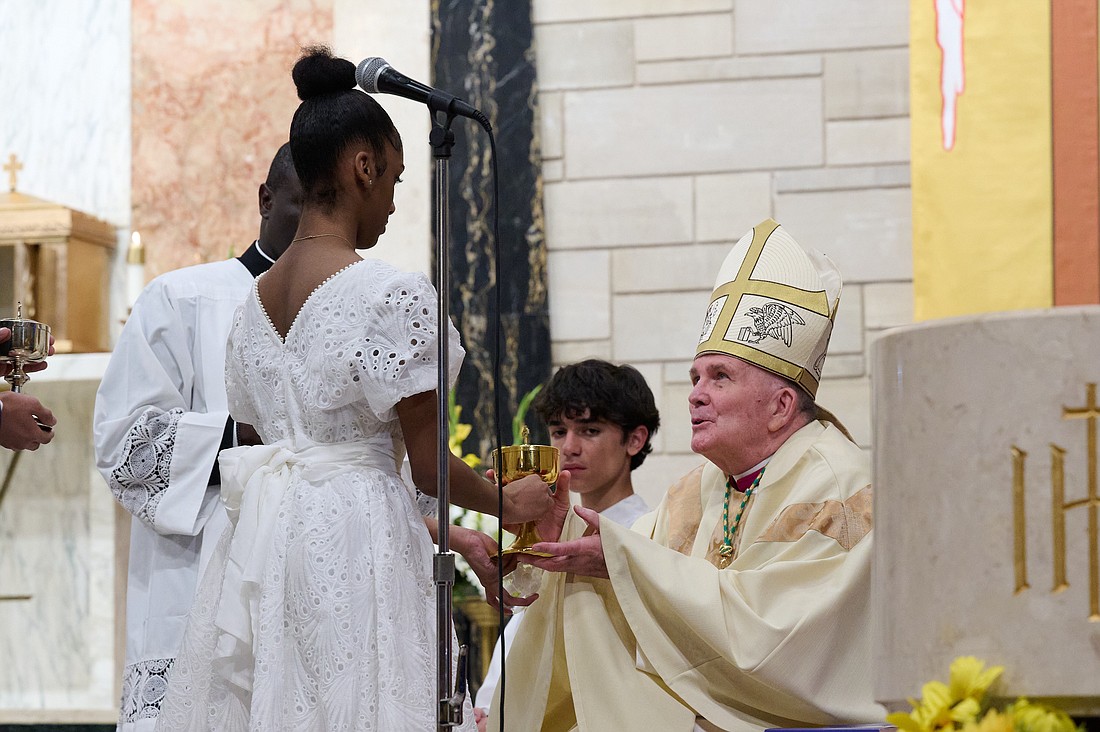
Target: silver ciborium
point(29, 343)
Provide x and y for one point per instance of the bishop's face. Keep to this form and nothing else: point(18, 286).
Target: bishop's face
point(730, 409)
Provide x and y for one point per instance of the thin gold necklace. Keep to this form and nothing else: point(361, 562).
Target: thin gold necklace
point(320, 236)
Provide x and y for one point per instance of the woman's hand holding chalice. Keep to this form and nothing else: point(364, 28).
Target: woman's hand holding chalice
point(517, 465)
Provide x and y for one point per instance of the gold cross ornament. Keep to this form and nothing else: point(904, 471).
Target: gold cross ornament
point(13, 167)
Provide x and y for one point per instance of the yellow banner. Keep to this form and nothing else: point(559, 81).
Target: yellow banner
point(980, 95)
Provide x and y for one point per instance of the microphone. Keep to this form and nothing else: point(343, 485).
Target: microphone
point(376, 76)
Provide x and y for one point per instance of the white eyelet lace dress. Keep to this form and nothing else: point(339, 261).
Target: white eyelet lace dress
point(317, 611)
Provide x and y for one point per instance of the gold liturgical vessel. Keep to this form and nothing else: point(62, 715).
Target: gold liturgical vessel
point(519, 461)
point(29, 343)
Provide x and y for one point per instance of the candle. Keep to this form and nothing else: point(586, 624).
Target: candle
point(135, 269)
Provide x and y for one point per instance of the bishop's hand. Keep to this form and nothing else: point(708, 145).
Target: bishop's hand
point(583, 556)
point(480, 550)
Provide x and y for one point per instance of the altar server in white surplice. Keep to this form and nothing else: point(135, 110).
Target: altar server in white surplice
point(743, 601)
point(160, 420)
point(602, 418)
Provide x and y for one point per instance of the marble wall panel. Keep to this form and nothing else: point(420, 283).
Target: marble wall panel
point(867, 233)
point(844, 365)
point(867, 83)
point(729, 67)
point(589, 55)
point(867, 141)
point(212, 102)
point(687, 36)
point(565, 352)
point(694, 128)
point(850, 400)
point(839, 179)
point(728, 205)
point(558, 11)
point(609, 213)
point(497, 261)
point(550, 111)
point(784, 26)
point(581, 308)
point(847, 334)
point(660, 326)
point(889, 304)
point(58, 560)
point(660, 269)
point(676, 418)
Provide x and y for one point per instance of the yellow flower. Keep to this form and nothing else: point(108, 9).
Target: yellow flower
point(1031, 717)
point(904, 722)
point(947, 707)
point(993, 721)
point(932, 712)
point(459, 431)
point(970, 679)
point(955, 707)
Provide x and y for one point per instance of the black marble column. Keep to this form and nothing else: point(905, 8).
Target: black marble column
point(483, 52)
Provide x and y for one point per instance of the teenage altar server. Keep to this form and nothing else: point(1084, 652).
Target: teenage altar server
point(743, 602)
point(602, 419)
point(160, 420)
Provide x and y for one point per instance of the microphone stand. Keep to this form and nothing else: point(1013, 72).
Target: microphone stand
point(449, 700)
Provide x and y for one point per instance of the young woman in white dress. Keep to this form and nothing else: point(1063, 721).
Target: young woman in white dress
point(318, 610)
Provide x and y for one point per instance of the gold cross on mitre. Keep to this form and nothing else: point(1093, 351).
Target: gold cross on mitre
point(771, 300)
point(13, 167)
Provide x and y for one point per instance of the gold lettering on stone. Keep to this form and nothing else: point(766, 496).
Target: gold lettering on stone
point(1059, 506)
point(1019, 519)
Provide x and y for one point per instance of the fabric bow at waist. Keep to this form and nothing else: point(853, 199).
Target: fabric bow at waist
point(254, 482)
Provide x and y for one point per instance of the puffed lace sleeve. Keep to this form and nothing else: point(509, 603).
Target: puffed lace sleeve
point(398, 353)
point(244, 371)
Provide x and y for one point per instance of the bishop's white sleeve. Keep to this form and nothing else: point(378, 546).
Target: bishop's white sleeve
point(155, 452)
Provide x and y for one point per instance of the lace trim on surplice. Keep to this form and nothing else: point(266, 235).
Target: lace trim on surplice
point(141, 478)
point(143, 687)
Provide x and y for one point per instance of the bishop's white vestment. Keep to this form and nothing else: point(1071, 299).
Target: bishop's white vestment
point(778, 638)
point(160, 420)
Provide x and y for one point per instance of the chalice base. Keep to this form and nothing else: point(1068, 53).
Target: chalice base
point(525, 550)
point(527, 537)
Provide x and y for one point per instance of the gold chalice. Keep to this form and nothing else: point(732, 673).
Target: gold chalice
point(29, 343)
point(518, 461)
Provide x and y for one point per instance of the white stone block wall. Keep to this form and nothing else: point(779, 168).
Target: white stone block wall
point(670, 128)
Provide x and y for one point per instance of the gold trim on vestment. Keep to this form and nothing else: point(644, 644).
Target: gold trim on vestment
point(685, 511)
point(846, 523)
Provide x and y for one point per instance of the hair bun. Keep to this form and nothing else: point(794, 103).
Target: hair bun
point(318, 72)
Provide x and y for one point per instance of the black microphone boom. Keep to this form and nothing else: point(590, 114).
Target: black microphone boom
point(376, 76)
